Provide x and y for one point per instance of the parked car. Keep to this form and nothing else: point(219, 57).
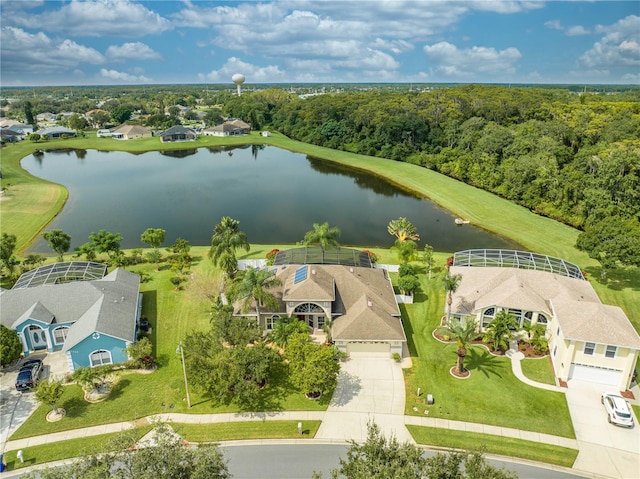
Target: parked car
point(28, 374)
point(618, 410)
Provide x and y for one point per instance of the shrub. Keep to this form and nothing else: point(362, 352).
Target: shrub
point(396, 357)
point(271, 256)
point(408, 284)
point(405, 269)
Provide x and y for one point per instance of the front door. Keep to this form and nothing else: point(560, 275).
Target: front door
point(38, 337)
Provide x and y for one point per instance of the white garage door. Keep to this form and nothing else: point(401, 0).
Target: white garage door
point(368, 347)
point(594, 374)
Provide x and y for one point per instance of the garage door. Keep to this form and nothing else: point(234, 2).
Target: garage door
point(593, 374)
point(368, 347)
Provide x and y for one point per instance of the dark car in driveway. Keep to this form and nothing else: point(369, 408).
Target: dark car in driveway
point(28, 374)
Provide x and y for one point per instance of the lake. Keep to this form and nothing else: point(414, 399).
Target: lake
point(277, 196)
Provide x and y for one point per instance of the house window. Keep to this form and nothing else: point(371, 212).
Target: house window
point(555, 350)
point(542, 319)
point(589, 348)
point(488, 316)
point(610, 352)
point(98, 358)
point(271, 322)
point(60, 334)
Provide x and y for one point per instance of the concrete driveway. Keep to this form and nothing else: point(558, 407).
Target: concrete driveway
point(370, 388)
point(16, 407)
point(605, 449)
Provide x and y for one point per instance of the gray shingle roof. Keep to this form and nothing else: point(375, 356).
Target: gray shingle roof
point(107, 305)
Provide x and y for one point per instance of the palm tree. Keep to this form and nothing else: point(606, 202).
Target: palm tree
point(450, 282)
point(323, 235)
point(462, 332)
point(499, 330)
point(403, 229)
point(285, 328)
point(226, 239)
point(254, 287)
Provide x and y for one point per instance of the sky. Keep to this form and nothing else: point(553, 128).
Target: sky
point(114, 42)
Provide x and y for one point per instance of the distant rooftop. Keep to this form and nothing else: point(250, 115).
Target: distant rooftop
point(516, 259)
point(63, 272)
point(317, 255)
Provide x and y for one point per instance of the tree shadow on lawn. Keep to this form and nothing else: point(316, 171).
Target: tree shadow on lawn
point(75, 407)
point(480, 360)
point(617, 279)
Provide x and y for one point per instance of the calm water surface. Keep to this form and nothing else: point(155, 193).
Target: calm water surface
point(277, 196)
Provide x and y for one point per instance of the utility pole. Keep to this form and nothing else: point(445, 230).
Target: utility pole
point(184, 372)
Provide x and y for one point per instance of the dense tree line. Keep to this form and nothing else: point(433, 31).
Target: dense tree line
point(572, 157)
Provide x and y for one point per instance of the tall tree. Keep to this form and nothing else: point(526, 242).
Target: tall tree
point(28, 114)
point(254, 287)
point(450, 283)
point(612, 241)
point(106, 242)
point(462, 332)
point(227, 238)
point(403, 229)
point(314, 369)
point(406, 250)
point(153, 237)
point(428, 258)
point(165, 457)
point(10, 345)
point(285, 328)
point(50, 392)
point(7, 247)
point(59, 242)
point(323, 235)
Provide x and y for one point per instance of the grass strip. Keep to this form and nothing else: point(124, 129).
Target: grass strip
point(504, 446)
point(539, 370)
point(246, 430)
point(67, 449)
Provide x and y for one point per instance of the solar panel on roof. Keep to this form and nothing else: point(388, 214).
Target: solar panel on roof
point(300, 274)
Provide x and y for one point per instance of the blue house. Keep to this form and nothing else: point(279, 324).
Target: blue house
point(75, 307)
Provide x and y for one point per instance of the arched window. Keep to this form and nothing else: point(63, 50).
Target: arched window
point(488, 316)
point(100, 357)
point(542, 319)
point(60, 334)
point(308, 308)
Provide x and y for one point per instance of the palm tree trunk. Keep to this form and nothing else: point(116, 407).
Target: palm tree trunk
point(462, 352)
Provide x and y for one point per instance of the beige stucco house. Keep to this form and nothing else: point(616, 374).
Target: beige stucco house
point(588, 340)
point(130, 132)
point(356, 297)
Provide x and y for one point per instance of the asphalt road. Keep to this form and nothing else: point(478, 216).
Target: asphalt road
point(300, 461)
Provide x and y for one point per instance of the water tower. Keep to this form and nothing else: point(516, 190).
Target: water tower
point(238, 79)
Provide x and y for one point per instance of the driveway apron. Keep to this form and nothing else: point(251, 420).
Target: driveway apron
point(605, 449)
point(370, 388)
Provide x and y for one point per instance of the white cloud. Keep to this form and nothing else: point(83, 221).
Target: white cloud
point(132, 51)
point(577, 30)
point(94, 18)
point(554, 25)
point(619, 48)
point(122, 77)
point(466, 63)
point(39, 54)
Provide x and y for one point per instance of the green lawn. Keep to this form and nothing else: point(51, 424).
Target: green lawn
point(232, 431)
point(539, 370)
point(504, 446)
point(491, 395)
point(70, 448)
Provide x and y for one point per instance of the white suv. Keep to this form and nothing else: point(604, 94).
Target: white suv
point(618, 409)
